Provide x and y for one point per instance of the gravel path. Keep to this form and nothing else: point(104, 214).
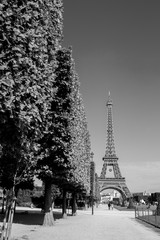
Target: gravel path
point(104, 224)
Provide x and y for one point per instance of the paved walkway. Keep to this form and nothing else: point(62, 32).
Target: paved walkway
point(104, 224)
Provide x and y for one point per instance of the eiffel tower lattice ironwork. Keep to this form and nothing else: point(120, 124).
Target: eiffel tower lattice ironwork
point(111, 176)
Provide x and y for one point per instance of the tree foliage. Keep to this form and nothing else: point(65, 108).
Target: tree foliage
point(54, 163)
point(80, 148)
point(29, 35)
point(43, 126)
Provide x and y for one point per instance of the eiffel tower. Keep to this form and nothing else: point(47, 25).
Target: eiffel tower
point(111, 176)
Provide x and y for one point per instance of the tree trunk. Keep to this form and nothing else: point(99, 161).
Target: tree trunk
point(64, 206)
point(4, 226)
point(3, 200)
point(130, 203)
point(9, 214)
point(85, 204)
point(48, 214)
point(10, 219)
point(74, 207)
point(16, 195)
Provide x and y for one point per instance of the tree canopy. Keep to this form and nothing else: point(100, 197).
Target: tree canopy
point(43, 126)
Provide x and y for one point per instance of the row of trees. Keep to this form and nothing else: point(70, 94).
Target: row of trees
point(43, 127)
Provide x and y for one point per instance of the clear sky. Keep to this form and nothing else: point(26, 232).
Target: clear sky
point(116, 47)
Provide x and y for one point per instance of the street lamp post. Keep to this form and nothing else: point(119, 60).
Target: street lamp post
point(92, 205)
point(92, 181)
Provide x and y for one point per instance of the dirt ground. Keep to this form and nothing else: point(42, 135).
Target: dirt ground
point(104, 224)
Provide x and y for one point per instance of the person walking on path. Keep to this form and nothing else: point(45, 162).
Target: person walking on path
point(109, 205)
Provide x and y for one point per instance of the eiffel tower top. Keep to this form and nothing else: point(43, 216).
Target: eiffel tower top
point(110, 147)
point(109, 102)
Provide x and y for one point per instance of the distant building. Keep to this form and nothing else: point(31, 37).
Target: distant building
point(141, 196)
point(110, 196)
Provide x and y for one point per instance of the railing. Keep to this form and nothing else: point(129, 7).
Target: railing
point(148, 214)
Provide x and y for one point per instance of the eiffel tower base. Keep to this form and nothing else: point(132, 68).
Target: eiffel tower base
point(131, 205)
point(158, 206)
point(123, 203)
point(118, 184)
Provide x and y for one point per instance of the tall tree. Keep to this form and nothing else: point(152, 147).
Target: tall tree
point(54, 165)
point(79, 151)
point(40, 99)
point(30, 32)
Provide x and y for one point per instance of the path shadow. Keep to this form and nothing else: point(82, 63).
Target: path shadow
point(29, 218)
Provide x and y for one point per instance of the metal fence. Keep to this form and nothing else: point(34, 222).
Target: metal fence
point(148, 215)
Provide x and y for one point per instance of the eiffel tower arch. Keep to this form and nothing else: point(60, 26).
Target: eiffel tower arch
point(111, 177)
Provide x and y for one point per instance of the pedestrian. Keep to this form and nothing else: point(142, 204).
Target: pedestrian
point(109, 205)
